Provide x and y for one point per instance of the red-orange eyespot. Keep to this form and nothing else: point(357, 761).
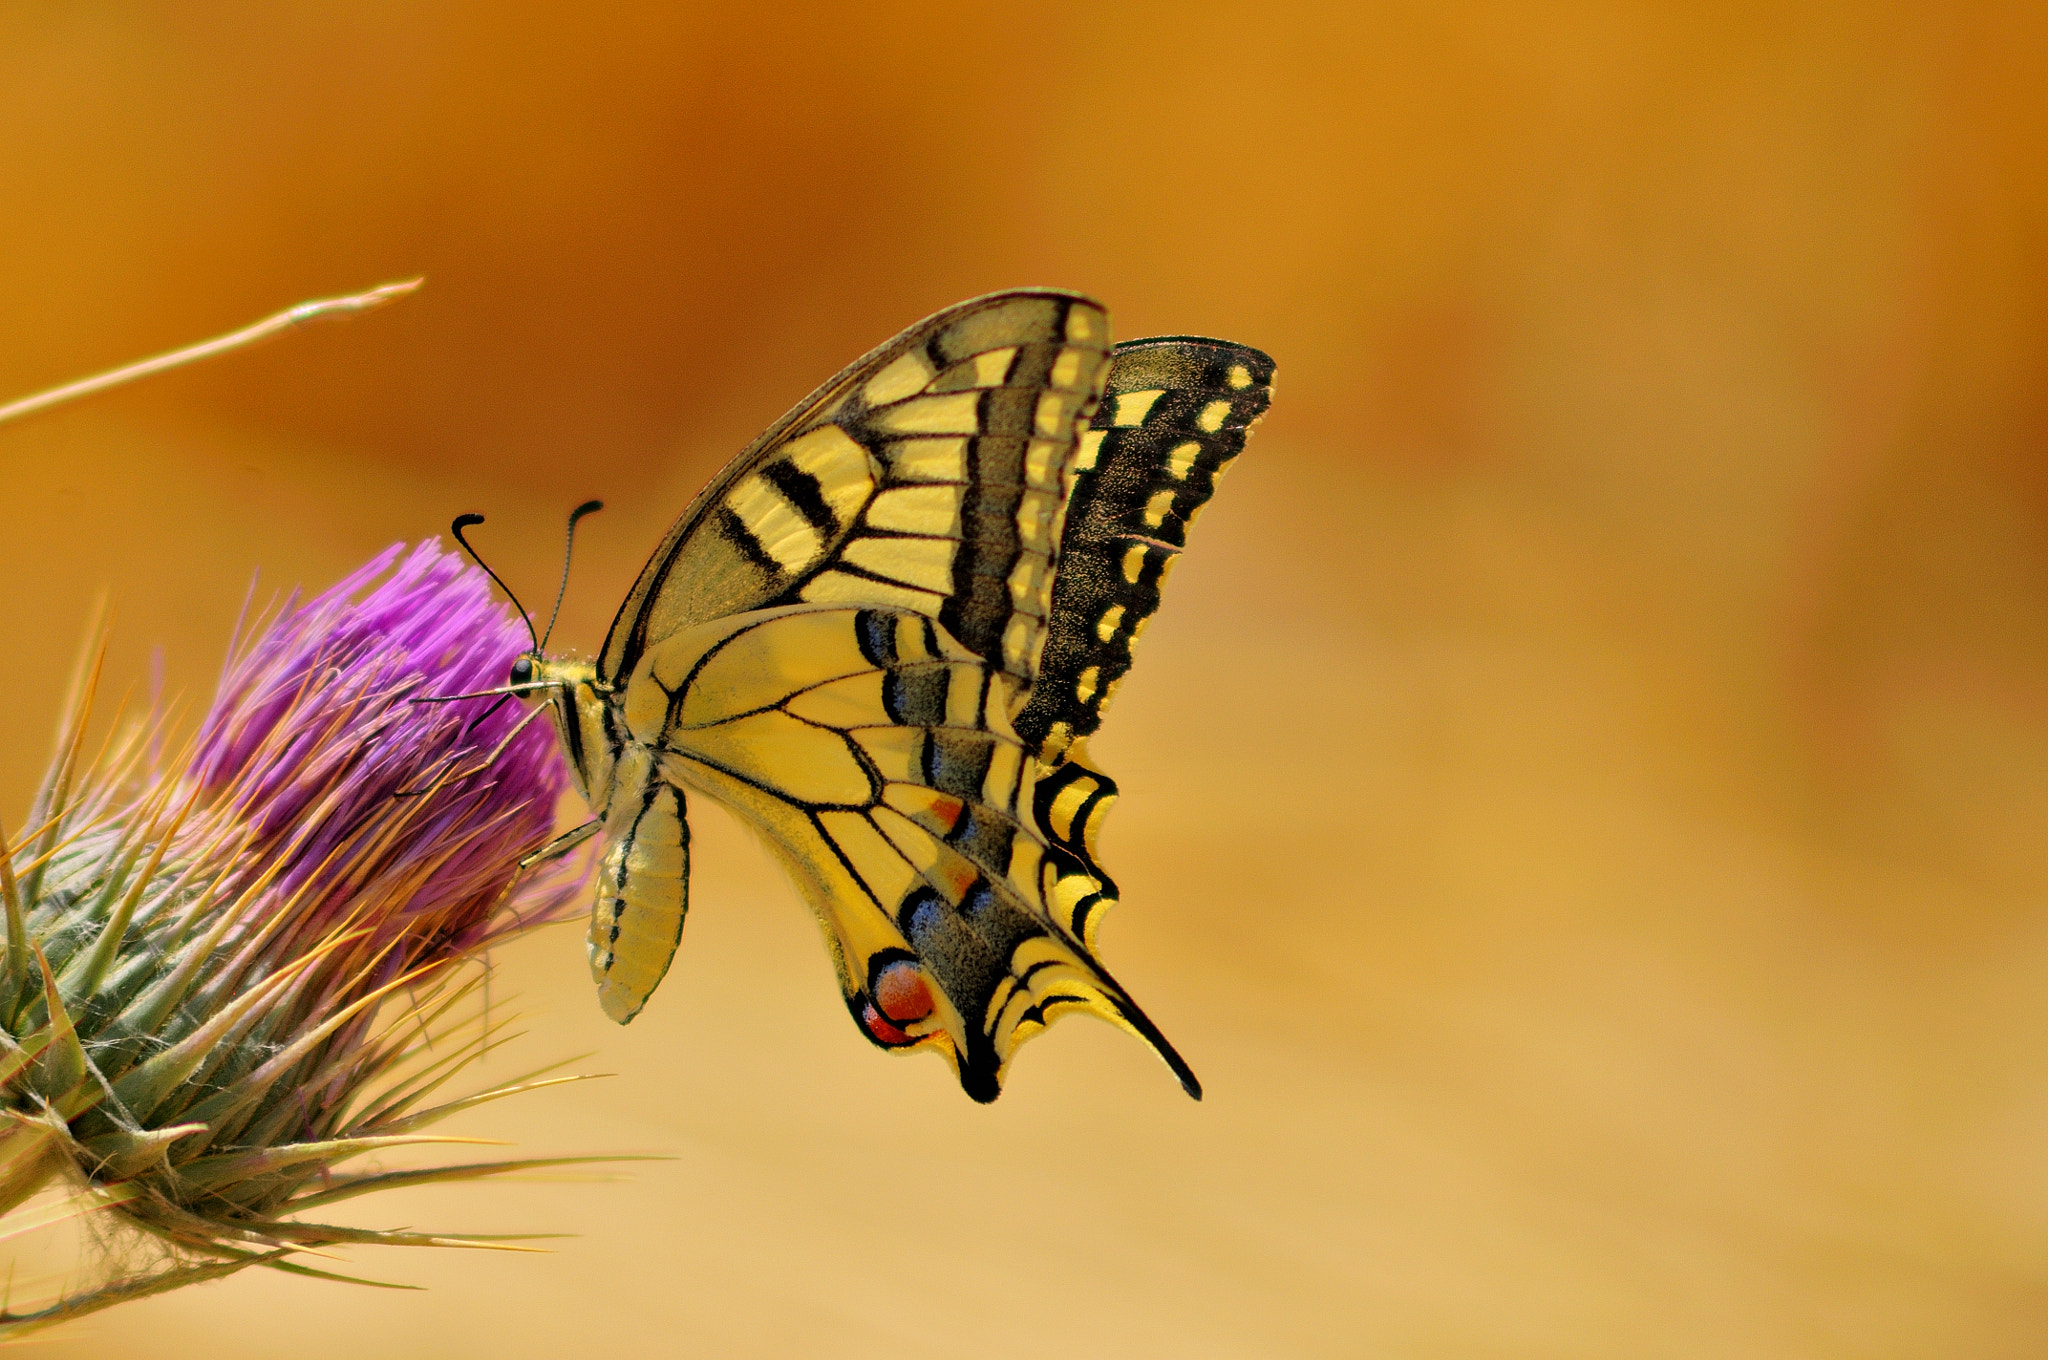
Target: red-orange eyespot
point(881, 1028)
point(903, 994)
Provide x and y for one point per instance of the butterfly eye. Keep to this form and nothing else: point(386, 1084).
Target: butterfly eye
point(522, 671)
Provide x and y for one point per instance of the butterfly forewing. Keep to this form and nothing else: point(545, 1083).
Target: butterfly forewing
point(1176, 411)
point(930, 476)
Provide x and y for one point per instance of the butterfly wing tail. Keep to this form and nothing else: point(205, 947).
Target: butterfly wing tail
point(1070, 803)
point(983, 964)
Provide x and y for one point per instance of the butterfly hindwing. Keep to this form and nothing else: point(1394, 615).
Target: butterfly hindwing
point(1069, 802)
point(874, 753)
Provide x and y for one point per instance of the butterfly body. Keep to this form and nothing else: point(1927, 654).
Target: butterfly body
point(845, 641)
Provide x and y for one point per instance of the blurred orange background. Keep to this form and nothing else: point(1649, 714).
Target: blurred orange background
point(1586, 801)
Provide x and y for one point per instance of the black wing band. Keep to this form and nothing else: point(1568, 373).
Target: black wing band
point(1175, 412)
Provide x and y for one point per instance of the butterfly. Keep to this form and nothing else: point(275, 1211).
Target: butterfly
point(882, 636)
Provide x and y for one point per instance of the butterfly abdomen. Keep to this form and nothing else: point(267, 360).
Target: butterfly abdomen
point(636, 921)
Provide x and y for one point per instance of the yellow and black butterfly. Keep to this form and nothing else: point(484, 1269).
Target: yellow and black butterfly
point(882, 637)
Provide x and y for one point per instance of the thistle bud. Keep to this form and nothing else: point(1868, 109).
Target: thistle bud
point(229, 972)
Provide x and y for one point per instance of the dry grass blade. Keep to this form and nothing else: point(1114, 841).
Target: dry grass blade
point(281, 323)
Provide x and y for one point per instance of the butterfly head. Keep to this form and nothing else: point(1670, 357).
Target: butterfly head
point(554, 680)
point(572, 690)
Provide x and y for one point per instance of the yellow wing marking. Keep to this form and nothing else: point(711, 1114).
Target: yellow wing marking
point(905, 377)
point(1042, 465)
point(734, 666)
point(1134, 562)
point(1028, 582)
point(894, 751)
point(838, 587)
point(852, 702)
point(783, 533)
point(933, 511)
point(799, 760)
point(1158, 508)
point(927, 460)
point(988, 369)
point(1091, 450)
point(952, 413)
point(1020, 642)
point(1132, 407)
point(1035, 513)
point(921, 563)
point(1056, 412)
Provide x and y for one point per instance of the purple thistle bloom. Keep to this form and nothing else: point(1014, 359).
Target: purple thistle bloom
point(198, 957)
point(314, 716)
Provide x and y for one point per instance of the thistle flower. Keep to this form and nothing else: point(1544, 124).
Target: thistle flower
point(230, 972)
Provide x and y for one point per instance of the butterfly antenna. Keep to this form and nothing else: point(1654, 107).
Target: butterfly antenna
point(463, 522)
point(587, 508)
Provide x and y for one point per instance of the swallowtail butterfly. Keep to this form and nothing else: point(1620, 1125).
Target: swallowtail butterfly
point(882, 636)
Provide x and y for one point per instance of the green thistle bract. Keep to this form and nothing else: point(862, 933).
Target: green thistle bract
point(228, 972)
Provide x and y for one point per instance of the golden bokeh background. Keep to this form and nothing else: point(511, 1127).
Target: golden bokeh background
point(1586, 801)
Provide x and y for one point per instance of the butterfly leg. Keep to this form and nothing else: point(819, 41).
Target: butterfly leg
point(563, 844)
